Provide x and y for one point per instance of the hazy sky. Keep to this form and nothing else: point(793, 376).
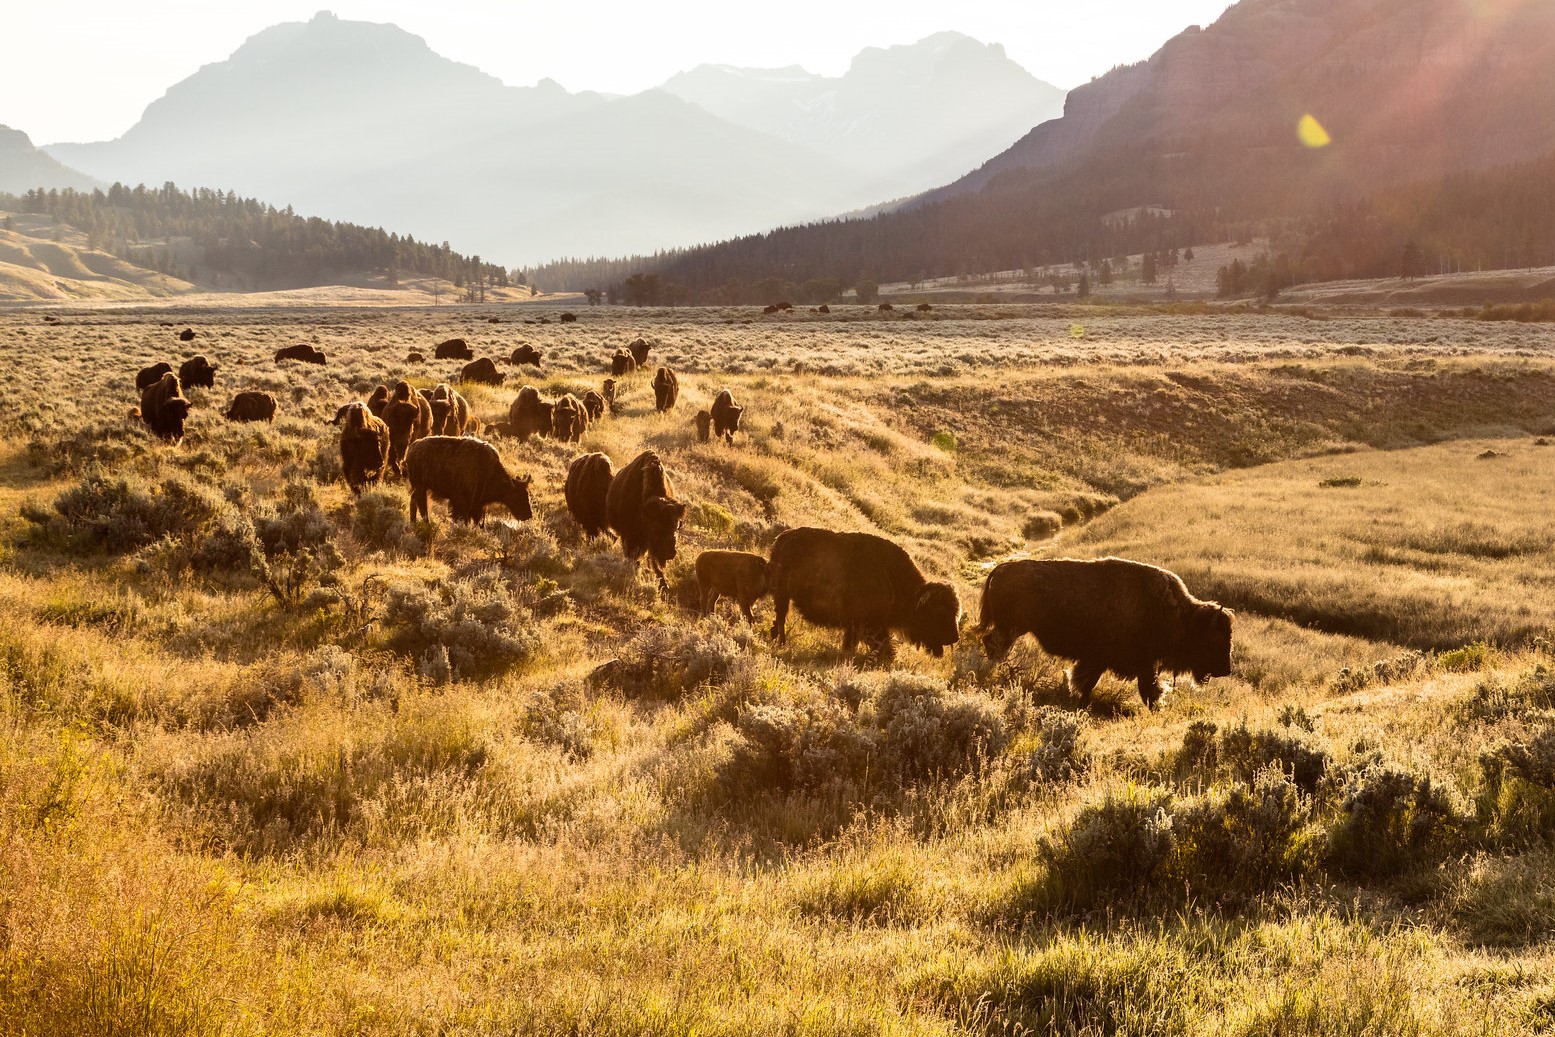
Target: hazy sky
point(85, 70)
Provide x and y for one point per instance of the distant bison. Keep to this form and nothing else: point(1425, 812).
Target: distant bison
point(863, 584)
point(622, 364)
point(1110, 614)
point(607, 389)
point(483, 371)
point(252, 406)
point(769, 309)
point(726, 416)
point(885, 307)
point(163, 407)
point(638, 347)
point(525, 354)
point(642, 509)
point(568, 318)
point(924, 307)
point(450, 412)
point(302, 351)
point(186, 335)
point(594, 405)
point(704, 423)
point(468, 474)
point(733, 574)
point(666, 389)
point(824, 308)
point(409, 417)
point(197, 370)
point(151, 375)
point(453, 349)
point(416, 358)
point(568, 419)
point(364, 447)
point(528, 415)
point(588, 485)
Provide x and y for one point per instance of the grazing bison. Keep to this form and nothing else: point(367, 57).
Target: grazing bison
point(151, 375)
point(824, 308)
point(378, 400)
point(594, 405)
point(568, 318)
point(568, 419)
point(622, 364)
point(642, 509)
point(885, 307)
point(252, 406)
point(666, 389)
point(924, 307)
point(197, 370)
point(416, 358)
point(638, 347)
point(863, 584)
point(588, 485)
point(468, 474)
point(733, 574)
point(186, 335)
point(460, 421)
point(453, 349)
point(484, 371)
point(769, 309)
point(525, 354)
point(364, 447)
point(726, 416)
point(302, 351)
point(163, 407)
point(704, 421)
point(528, 415)
point(409, 417)
point(1109, 614)
point(608, 391)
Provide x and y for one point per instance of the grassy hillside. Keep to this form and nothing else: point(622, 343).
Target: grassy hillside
point(274, 760)
point(44, 262)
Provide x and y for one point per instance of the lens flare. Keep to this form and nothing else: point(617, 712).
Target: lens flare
point(1311, 133)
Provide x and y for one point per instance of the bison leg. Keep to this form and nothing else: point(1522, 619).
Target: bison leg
point(1150, 689)
point(418, 504)
point(745, 609)
point(1083, 678)
point(779, 618)
point(709, 599)
point(849, 640)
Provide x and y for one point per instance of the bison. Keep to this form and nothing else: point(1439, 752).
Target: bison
point(666, 389)
point(453, 349)
point(378, 400)
point(568, 318)
point(642, 509)
point(151, 375)
point(186, 335)
point(483, 371)
point(164, 408)
point(409, 417)
point(1109, 614)
point(824, 308)
point(252, 406)
point(568, 419)
point(594, 405)
point(588, 485)
point(528, 415)
point(704, 423)
point(416, 357)
point(862, 583)
point(885, 307)
point(607, 389)
point(197, 370)
point(302, 351)
point(638, 347)
point(726, 416)
point(525, 354)
point(622, 364)
point(733, 574)
point(450, 412)
point(364, 447)
point(467, 473)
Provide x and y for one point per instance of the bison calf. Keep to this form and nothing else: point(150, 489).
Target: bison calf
point(1110, 614)
point(726, 416)
point(704, 423)
point(468, 474)
point(733, 574)
point(666, 389)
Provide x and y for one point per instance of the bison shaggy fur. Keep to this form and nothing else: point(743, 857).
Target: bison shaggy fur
point(252, 406)
point(1109, 614)
point(378, 400)
point(364, 447)
point(588, 485)
point(483, 371)
point(186, 335)
point(726, 416)
point(197, 370)
point(453, 349)
point(164, 408)
point(594, 405)
point(863, 584)
point(468, 474)
point(151, 375)
point(666, 389)
point(704, 423)
point(529, 415)
point(607, 389)
point(302, 351)
point(525, 354)
point(638, 347)
point(642, 509)
point(622, 364)
point(568, 419)
point(409, 417)
point(731, 574)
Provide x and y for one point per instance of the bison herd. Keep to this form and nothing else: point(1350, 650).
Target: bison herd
point(1108, 615)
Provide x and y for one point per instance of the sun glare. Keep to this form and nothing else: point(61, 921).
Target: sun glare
point(1311, 132)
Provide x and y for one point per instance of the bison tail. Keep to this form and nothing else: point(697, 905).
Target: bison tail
point(134, 413)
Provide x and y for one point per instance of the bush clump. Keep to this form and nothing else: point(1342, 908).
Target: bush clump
point(120, 514)
point(1516, 797)
point(1058, 755)
point(1390, 821)
point(1242, 838)
point(1244, 754)
point(379, 520)
point(1112, 849)
point(668, 659)
point(474, 622)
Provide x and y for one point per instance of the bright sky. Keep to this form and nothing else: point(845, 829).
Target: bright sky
point(85, 70)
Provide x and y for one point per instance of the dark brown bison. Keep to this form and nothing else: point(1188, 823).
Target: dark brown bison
point(525, 354)
point(726, 416)
point(924, 307)
point(704, 422)
point(568, 419)
point(364, 447)
point(594, 405)
point(197, 370)
point(186, 335)
point(769, 309)
point(302, 351)
point(409, 417)
point(378, 400)
point(824, 308)
point(588, 485)
point(863, 584)
point(622, 364)
point(416, 358)
point(638, 347)
point(468, 474)
point(733, 574)
point(568, 318)
point(642, 509)
point(151, 375)
point(483, 371)
point(1109, 614)
point(450, 412)
point(453, 349)
point(163, 407)
point(607, 389)
point(666, 389)
point(528, 415)
point(252, 406)
point(885, 307)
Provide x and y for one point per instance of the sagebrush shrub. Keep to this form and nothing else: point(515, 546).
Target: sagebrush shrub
point(379, 519)
point(1112, 848)
point(1391, 820)
point(1244, 754)
point(1058, 755)
point(1516, 797)
point(119, 514)
point(474, 622)
point(1241, 837)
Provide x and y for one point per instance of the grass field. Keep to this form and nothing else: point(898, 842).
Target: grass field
point(276, 760)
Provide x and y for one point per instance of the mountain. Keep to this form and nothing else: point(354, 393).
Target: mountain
point(910, 117)
point(23, 167)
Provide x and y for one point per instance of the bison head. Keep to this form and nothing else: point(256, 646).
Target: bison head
point(996, 642)
point(174, 413)
point(936, 619)
point(1207, 644)
point(517, 499)
point(661, 520)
